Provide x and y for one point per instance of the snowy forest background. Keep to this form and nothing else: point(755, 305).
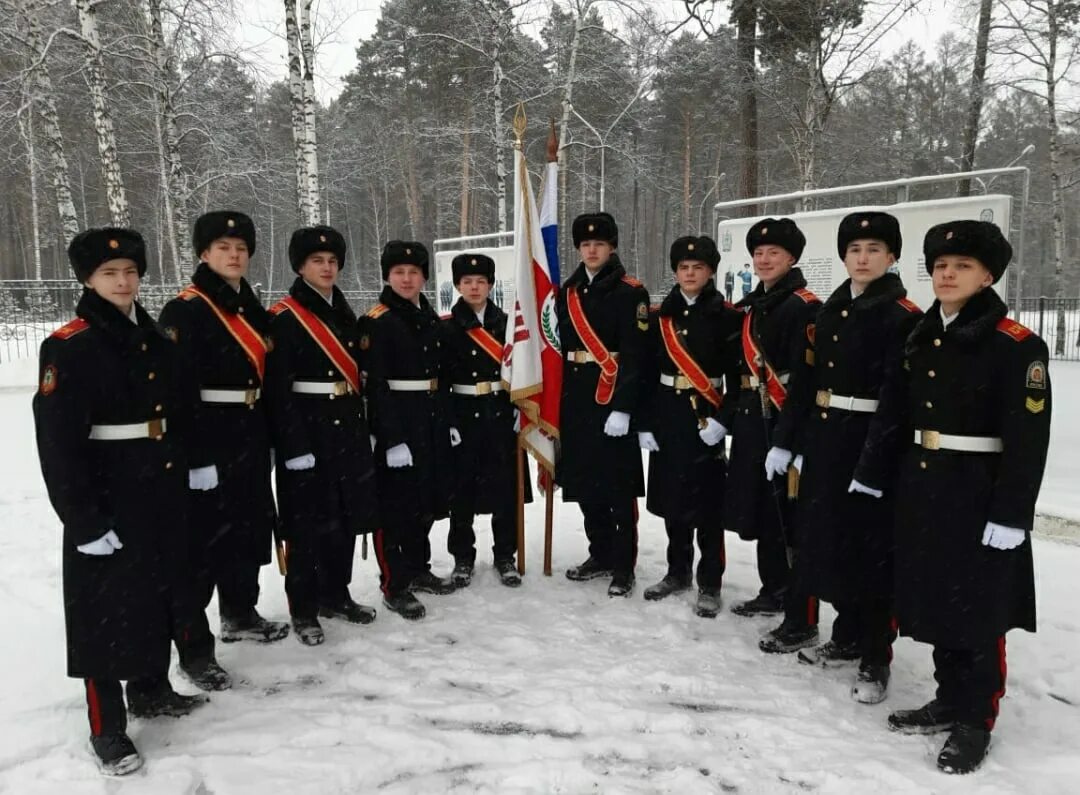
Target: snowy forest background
point(148, 112)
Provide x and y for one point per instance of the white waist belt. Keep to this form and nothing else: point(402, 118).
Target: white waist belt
point(682, 382)
point(482, 388)
point(932, 440)
point(337, 388)
point(154, 429)
point(830, 400)
point(753, 382)
point(584, 357)
point(424, 385)
point(246, 396)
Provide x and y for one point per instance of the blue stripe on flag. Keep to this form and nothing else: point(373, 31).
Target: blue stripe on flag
point(551, 246)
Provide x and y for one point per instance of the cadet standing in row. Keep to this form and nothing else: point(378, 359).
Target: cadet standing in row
point(113, 415)
point(976, 399)
point(850, 447)
point(325, 469)
point(603, 327)
point(696, 340)
point(221, 330)
point(410, 420)
point(776, 386)
point(485, 468)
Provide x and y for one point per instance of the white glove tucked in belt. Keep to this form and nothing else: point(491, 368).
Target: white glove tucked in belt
point(455, 437)
point(858, 488)
point(300, 463)
point(1001, 537)
point(617, 424)
point(646, 441)
point(399, 456)
point(203, 478)
point(777, 462)
point(105, 545)
point(713, 433)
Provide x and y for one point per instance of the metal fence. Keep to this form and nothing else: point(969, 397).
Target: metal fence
point(31, 310)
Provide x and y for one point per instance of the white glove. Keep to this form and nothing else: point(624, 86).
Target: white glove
point(646, 441)
point(858, 488)
point(797, 463)
point(713, 433)
point(517, 421)
point(203, 478)
point(371, 438)
point(777, 462)
point(399, 456)
point(300, 463)
point(1001, 537)
point(617, 424)
point(105, 545)
point(455, 437)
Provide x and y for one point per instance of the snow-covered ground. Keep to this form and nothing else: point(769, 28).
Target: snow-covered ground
point(550, 688)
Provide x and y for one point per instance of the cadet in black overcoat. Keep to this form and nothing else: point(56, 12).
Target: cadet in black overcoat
point(763, 416)
point(410, 419)
point(325, 468)
point(976, 401)
point(688, 465)
point(112, 416)
point(600, 465)
point(221, 328)
point(845, 504)
point(484, 422)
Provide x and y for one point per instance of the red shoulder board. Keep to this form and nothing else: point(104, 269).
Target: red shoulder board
point(807, 296)
point(70, 329)
point(910, 306)
point(654, 308)
point(378, 310)
point(729, 305)
point(631, 281)
point(187, 294)
point(278, 308)
point(1011, 328)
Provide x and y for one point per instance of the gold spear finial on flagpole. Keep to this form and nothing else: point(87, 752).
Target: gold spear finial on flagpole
point(519, 124)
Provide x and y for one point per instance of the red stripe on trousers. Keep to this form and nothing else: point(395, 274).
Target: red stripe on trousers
point(994, 699)
point(93, 705)
point(812, 611)
point(634, 564)
point(384, 567)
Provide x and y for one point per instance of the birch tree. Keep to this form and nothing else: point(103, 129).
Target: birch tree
point(302, 95)
point(1039, 42)
point(115, 194)
point(977, 94)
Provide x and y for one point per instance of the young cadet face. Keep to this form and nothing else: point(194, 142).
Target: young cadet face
point(117, 281)
point(692, 274)
point(475, 290)
point(406, 280)
point(594, 253)
point(957, 278)
point(867, 261)
point(772, 263)
point(228, 258)
point(320, 270)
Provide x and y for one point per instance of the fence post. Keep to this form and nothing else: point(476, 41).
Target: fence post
point(1042, 311)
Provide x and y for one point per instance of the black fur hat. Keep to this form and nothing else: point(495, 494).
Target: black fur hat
point(312, 239)
point(979, 239)
point(869, 226)
point(473, 265)
point(781, 232)
point(92, 247)
point(595, 226)
point(403, 252)
point(700, 248)
point(223, 223)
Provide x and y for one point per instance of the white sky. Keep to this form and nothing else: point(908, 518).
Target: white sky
point(341, 24)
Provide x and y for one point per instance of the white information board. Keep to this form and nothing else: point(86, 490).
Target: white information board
point(820, 262)
point(503, 291)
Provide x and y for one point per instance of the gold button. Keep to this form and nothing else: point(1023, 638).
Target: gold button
point(685, 332)
point(331, 396)
point(929, 405)
point(351, 343)
point(474, 375)
point(251, 407)
point(831, 364)
point(143, 346)
point(937, 343)
point(686, 312)
point(158, 438)
point(932, 374)
point(168, 464)
point(678, 391)
point(835, 338)
point(824, 415)
point(477, 414)
point(251, 381)
point(474, 353)
point(150, 377)
point(844, 313)
point(922, 465)
point(158, 407)
point(337, 422)
point(240, 310)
